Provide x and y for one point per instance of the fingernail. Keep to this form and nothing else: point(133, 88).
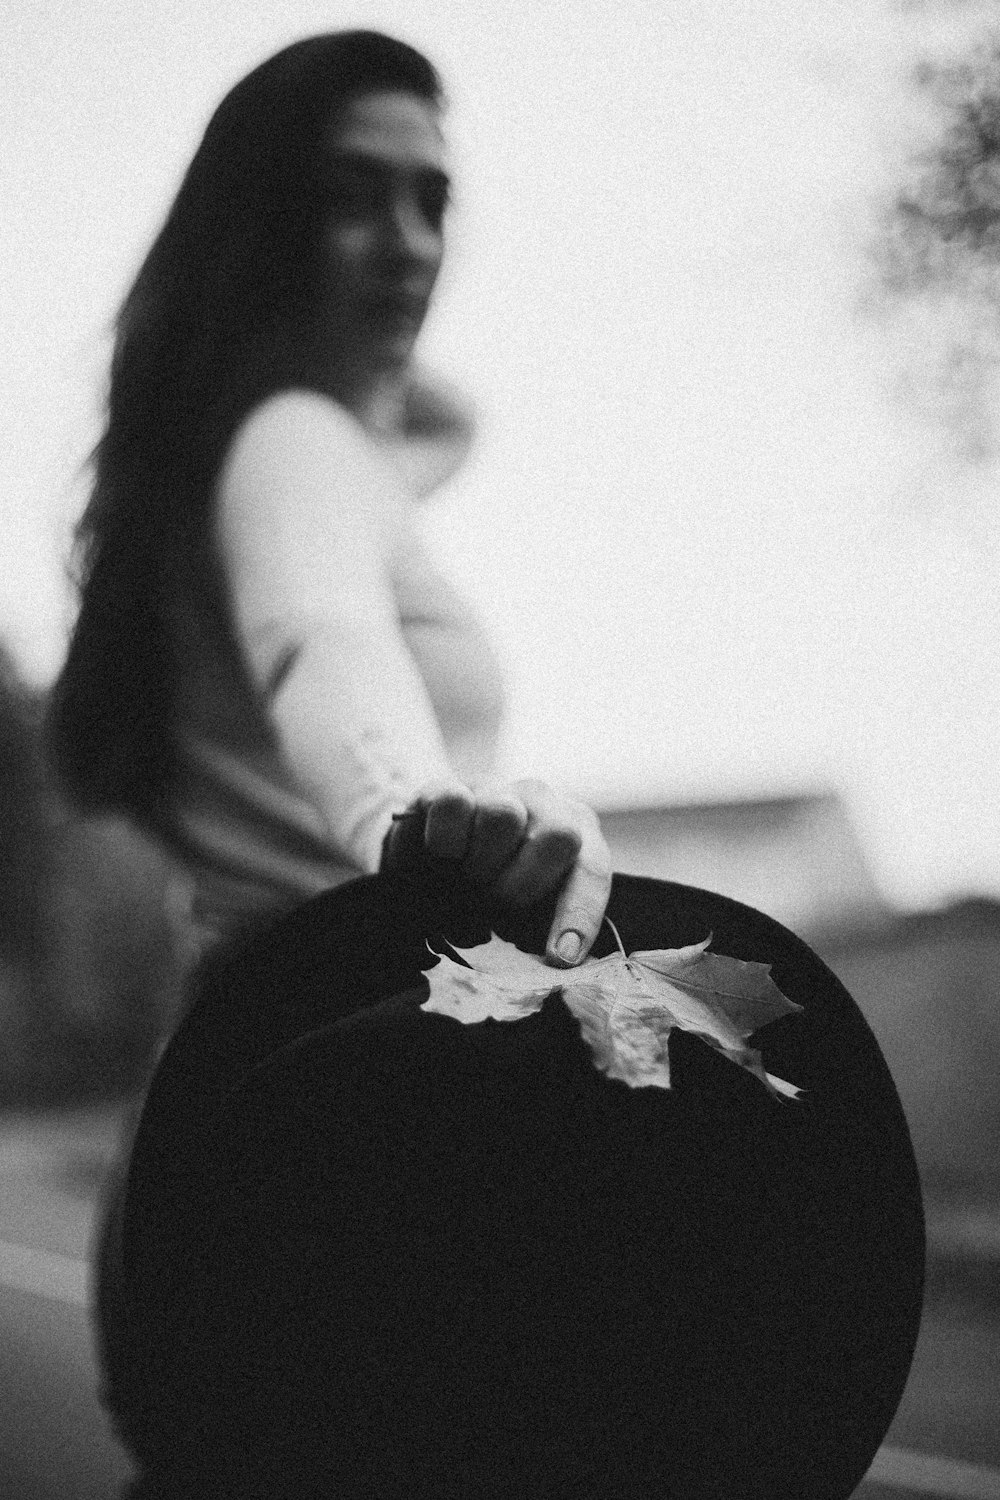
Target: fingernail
point(568, 947)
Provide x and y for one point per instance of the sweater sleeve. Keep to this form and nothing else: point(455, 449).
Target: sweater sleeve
point(303, 529)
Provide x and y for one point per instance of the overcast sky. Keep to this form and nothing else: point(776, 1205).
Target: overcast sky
point(716, 558)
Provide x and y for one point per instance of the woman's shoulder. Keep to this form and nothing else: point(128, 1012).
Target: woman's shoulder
point(297, 419)
point(297, 446)
point(299, 438)
point(434, 410)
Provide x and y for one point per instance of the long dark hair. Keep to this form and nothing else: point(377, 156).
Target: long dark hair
point(214, 323)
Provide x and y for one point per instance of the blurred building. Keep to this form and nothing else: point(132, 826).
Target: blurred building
point(926, 982)
point(796, 858)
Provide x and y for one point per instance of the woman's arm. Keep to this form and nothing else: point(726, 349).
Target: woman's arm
point(303, 516)
point(305, 511)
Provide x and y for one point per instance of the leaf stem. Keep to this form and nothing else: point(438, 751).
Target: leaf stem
point(618, 940)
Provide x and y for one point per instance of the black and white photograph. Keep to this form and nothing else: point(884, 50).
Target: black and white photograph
point(500, 750)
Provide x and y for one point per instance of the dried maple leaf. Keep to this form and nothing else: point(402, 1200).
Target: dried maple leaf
point(626, 1004)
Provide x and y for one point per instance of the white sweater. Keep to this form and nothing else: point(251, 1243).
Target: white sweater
point(357, 656)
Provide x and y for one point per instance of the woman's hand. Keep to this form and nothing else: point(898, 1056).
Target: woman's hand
point(519, 843)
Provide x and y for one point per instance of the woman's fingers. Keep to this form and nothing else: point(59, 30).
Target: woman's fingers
point(436, 822)
point(521, 843)
point(498, 828)
point(403, 845)
point(582, 903)
point(449, 820)
point(563, 847)
point(544, 859)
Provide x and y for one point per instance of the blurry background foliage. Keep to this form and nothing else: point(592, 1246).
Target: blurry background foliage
point(936, 253)
point(88, 953)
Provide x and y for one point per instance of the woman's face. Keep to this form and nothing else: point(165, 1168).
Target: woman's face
point(383, 238)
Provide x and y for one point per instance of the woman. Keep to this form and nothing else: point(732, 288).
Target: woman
point(268, 673)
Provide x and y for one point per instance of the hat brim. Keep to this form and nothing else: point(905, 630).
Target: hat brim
point(374, 1252)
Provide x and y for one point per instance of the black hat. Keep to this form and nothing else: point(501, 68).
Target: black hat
point(370, 1252)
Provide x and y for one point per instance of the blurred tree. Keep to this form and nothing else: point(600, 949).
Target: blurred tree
point(90, 956)
point(24, 824)
point(936, 252)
